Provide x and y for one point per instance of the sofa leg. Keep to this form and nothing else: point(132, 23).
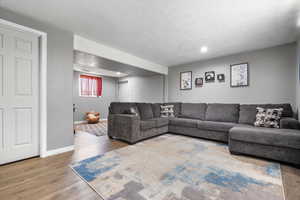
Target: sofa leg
point(114, 138)
point(296, 166)
point(235, 153)
point(132, 143)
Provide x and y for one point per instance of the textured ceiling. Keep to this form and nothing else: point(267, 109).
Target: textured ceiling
point(171, 32)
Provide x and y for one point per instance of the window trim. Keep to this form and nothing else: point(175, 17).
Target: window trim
point(79, 86)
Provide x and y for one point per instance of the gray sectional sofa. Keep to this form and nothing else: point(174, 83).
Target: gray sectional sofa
point(230, 123)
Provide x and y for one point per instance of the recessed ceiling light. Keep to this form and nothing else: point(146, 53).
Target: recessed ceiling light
point(118, 73)
point(203, 49)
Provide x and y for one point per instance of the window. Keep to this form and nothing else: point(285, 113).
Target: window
point(90, 86)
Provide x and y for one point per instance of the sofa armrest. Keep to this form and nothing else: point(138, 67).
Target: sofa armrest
point(123, 126)
point(289, 123)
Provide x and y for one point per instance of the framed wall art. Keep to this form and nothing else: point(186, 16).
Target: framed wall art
point(186, 80)
point(210, 76)
point(199, 82)
point(239, 75)
point(221, 77)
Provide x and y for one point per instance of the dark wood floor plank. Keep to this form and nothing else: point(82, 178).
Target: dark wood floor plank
point(291, 182)
point(79, 190)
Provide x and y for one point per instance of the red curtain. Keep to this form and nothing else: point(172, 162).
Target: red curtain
point(90, 85)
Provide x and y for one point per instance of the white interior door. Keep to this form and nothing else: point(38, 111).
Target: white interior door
point(19, 104)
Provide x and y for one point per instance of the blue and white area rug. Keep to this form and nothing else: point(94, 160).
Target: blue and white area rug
point(174, 167)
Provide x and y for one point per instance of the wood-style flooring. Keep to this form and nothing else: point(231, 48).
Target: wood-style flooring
point(52, 178)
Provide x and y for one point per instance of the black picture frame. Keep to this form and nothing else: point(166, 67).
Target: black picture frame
point(210, 76)
point(221, 77)
point(245, 74)
point(186, 80)
point(199, 82)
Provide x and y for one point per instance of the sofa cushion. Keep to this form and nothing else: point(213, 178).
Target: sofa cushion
point(177, 107)
point(183, 122)
point(193, 110)
point(222, 112)
point(215, 126)
point(287, 109)
point(147, 124)
point(132, 111)
point(268, 136)
point(121, 107)
point(289, 123)
point(145, 110)
point(248, 111)
point(161, 121)
point(156, 109)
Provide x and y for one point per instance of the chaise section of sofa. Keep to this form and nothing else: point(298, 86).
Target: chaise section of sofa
point(278, 144)
point(271, 143)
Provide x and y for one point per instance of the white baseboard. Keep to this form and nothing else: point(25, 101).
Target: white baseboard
point(57, 151)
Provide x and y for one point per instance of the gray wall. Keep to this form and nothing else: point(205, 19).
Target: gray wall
point(298, 78)
point(272, 78)
point(100, 104)
point(143, 88)
point(59, 80)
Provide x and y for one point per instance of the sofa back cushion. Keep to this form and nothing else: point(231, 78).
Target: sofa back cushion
point(177, 107)
point(132, 111)
point(120, 107)
point(222, 112)
point(248, 111)
point(287, 109)
point(193, 110)
point(145, 110)
point(156, 109)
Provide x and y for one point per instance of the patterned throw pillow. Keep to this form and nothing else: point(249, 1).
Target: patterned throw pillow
point(269, 118)
point(167, 111)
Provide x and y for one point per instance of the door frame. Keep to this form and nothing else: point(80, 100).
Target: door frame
point(42, 80)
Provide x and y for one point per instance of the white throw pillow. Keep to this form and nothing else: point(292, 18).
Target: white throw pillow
point(167, 111)
point(269, 118)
